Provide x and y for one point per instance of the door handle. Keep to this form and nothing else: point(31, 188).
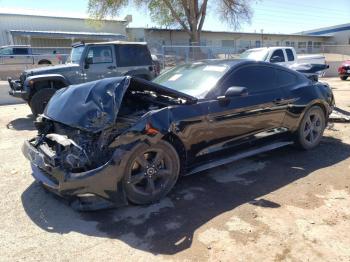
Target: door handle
point(111, 67)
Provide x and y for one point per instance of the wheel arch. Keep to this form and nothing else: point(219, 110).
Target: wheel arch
point(179, 146)
point(36, 83)
point(44, 62)
point(318, 103)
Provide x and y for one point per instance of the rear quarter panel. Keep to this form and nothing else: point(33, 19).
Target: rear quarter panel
point(303, 97)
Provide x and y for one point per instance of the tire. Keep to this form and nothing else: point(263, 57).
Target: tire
point(344, 78)
point(311, 128)
point(151, 172)
point(40, 99)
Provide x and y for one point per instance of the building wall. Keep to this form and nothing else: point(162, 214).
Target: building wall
point(239, 41)
point(42, 23)
point(342, 37)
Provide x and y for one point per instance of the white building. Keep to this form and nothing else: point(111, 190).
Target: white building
point(236, 40)
point(43, 30)
point(340, 34)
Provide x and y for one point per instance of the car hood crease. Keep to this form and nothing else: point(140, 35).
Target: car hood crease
point(94, 106)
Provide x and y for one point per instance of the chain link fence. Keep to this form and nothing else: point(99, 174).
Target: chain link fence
point(174, 55)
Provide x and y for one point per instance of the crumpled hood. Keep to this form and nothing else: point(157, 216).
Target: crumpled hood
point(51, 69)
point(90, 106)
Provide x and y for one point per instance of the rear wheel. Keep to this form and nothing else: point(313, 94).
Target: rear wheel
point(40, 99)
point(151, 172)
point(344, 78)
point(311, 128)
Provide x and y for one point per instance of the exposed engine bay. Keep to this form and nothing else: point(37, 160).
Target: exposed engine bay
point(78, 150)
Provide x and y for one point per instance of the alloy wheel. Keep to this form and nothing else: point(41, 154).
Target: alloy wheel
point(313, 127)
point(150, 171)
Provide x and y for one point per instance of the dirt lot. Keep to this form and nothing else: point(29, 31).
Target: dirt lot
point(283, 205)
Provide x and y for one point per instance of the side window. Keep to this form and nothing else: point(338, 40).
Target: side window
point(20, 51)
point(256, 78)
point(133, 55)
point(290, 54)
point(277, 56)
point(100, 54)
point(285, 78)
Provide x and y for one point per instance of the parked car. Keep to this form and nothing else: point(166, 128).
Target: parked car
point(24, 55)
point(87, 62)
point(285, 56)
point(125, 139)
point(344, 70)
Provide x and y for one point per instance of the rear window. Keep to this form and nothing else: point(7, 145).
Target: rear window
point(290, 55)
point(133, 55)
point(20, 51)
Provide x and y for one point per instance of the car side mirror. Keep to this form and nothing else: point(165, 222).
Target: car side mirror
point(234, 91)
point(88, 62)
point(276, 59)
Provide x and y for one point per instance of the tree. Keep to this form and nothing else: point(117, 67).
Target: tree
point(186, 14)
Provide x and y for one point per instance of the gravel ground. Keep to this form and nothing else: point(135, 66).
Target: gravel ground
point(5, 98)
point(283, 205)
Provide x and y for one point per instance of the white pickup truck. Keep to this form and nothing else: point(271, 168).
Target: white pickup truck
point(285, 56)
point(24, 55)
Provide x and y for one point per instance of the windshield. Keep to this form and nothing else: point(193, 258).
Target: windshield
point(192, 79)
point(75, 54)
point(257, 54)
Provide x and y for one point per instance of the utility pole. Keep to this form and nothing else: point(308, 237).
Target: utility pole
point(262, 37)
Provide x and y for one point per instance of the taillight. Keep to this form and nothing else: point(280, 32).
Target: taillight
point(342, 70)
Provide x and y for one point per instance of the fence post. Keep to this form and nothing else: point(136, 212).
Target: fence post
point(163, 56)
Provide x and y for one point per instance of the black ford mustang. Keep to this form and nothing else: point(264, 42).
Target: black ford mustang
point(121, 140)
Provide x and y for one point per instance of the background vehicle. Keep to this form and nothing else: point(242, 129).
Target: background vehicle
point(24, 55)
point(285, 56)
point(87, 62)
point(189, 119)
point(344, 70)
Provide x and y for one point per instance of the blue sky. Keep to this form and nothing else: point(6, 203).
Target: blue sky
point(273, 16)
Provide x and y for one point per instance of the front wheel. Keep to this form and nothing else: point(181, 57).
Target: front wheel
point(344, 78)
point(151, 172)
point(40, 99)
point(311, 128)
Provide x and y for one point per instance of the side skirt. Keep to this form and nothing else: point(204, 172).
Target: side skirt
point(238, 156)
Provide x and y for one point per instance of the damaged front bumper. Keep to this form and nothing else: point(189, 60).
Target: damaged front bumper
point(90, 190)
point(17, 89)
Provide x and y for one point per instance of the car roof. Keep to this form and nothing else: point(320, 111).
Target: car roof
point(109, 43)
point(269, 48)
point(5, 46)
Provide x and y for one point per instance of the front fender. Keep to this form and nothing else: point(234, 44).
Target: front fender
point(31, 80)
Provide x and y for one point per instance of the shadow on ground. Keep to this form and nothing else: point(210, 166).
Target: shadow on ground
point(168, 227)
point(24, 123)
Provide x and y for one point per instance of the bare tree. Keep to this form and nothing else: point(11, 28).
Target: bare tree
point(187, 14)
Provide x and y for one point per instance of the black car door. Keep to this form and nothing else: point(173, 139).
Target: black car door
point(234, 120)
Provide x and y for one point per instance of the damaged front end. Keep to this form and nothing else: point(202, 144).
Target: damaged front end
point(86, 133)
